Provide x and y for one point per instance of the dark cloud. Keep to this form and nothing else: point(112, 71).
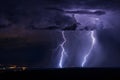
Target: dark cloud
point(27, 13)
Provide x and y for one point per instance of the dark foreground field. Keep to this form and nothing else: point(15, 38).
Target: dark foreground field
point(61, 73)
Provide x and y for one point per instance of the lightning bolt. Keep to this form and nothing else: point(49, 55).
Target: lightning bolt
point(63, 52)
point(91, 48)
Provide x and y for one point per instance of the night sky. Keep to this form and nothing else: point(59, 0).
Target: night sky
point(22, 45)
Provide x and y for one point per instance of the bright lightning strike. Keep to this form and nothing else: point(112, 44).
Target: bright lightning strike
point(63, 53)
point(89, 52)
